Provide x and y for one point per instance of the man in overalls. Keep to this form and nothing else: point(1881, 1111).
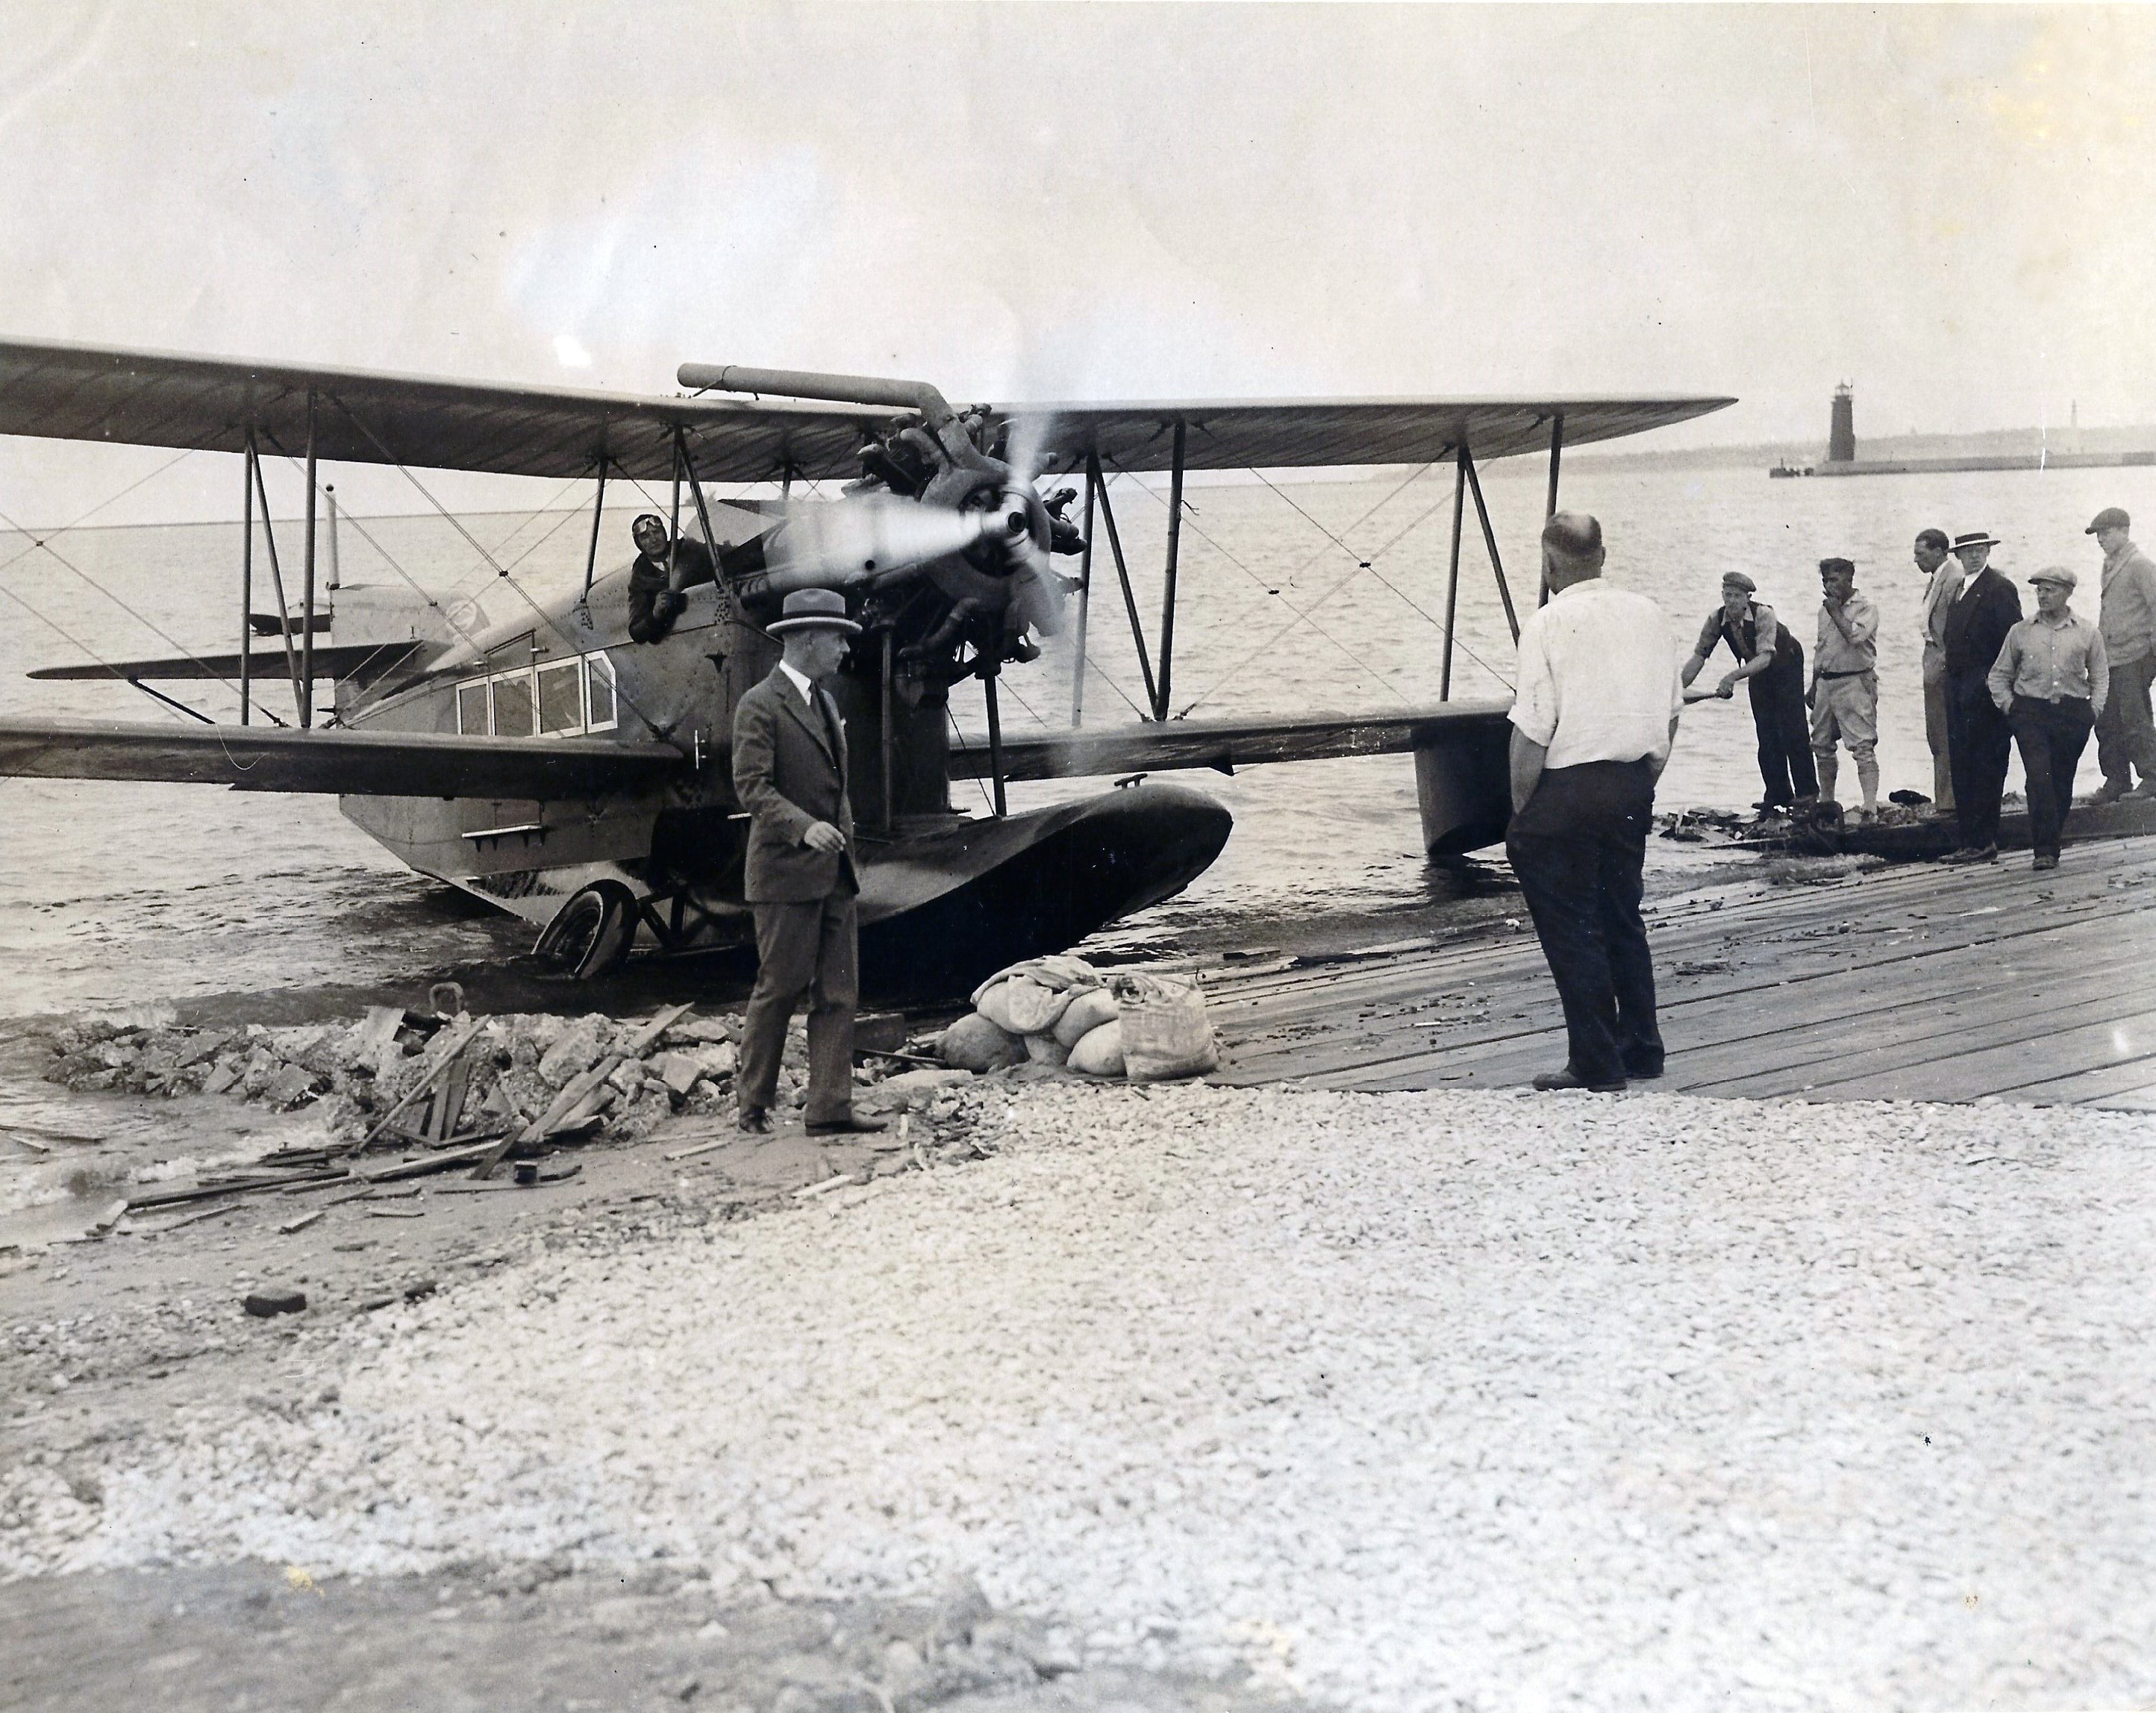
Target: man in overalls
point(1770, 662)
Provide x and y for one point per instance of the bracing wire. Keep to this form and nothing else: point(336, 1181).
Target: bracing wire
point(1413, 524)
point(139, 617)
point(111, 499)
point(965, 751)
point(1302, 617)
point(67, 636)
point(1360, 565)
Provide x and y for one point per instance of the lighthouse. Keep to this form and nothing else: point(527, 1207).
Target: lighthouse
point(1841, 428)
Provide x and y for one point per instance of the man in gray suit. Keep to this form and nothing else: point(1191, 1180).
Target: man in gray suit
point(790, 774)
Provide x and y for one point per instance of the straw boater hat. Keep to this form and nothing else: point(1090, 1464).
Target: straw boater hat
point(808, 609)
point(1975, 539)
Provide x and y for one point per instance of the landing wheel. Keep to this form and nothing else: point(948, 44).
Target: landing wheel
point(590, 935)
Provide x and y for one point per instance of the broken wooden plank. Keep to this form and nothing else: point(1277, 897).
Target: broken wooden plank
point(450, 1043)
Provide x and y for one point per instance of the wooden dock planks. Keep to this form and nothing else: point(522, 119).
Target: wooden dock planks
point(1915, 982)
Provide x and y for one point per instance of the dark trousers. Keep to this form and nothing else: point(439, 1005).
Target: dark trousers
point(1978, 743)
point(2050, 736)
point(1785, 726)
point(811, 950)
point(2124, 735)
point(1577, 848)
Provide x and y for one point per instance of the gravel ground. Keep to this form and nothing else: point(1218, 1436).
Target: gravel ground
point(1402, 1401)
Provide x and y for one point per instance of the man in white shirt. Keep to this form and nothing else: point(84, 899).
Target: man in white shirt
point(1594, 715)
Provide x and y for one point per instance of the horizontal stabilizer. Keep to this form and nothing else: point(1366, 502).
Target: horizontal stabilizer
point(1226, 744)
point(339, 762)
point(339, 661)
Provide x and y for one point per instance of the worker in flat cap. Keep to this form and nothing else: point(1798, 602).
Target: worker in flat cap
point(1593, 718)
point(1770, 664)
point(2051, 681)
point(1985, 608)
point(666, 563)
point(1844, 692)
point(790, 775)
point(2125, 735)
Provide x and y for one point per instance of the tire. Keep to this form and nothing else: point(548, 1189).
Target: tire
point(590, 935)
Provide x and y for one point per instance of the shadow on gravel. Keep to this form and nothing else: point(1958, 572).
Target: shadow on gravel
point(531, 1635)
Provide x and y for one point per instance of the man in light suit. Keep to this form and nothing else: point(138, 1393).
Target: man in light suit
point(790, 774)
point(1980, 742)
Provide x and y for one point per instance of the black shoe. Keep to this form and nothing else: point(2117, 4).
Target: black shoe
point(1974, 853)
point(2043, 862)
point(1551, 1081)
point(755, 1120)
point(852, 1125)
point(2110, 791)
point(1644, 1070)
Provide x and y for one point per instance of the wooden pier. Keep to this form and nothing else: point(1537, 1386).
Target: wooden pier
point(1910, 982)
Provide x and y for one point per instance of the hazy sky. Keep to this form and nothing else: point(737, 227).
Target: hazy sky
point(1950, 208)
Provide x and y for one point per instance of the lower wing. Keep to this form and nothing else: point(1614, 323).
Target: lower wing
point(1226, 744)
point(338, 761)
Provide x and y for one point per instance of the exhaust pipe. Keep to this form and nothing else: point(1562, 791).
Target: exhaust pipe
point(803, 383)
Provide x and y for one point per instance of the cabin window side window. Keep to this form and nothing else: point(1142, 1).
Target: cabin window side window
point(561, 698)
point(600, 713)
point(512, 705)
point(514, 692)
point(471, 709)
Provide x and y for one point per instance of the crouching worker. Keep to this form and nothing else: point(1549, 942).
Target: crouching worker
point(2051, 681)
point(1770, 664)
point(1844, 692)
point(790, 774)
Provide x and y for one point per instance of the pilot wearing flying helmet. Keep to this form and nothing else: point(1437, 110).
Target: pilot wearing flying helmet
point(662, 570)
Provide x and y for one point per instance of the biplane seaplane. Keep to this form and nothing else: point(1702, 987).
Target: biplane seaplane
point(566, 759)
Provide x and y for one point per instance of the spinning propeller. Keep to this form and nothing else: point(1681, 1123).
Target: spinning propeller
point(946, 509)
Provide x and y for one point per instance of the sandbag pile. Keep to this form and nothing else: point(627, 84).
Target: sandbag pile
point(515, 1066)
point(1062, 1011)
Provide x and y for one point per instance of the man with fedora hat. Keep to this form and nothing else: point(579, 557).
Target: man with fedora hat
point(1979, 740)
point(2050, 681)
point(2125, 737)
point(790, 774)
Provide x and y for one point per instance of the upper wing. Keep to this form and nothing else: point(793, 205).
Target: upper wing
point(338, 761)
point(1288, 433)
point(157, 399)
point(1226, 744)
point(92, 393)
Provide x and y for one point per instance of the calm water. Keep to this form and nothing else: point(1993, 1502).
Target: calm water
point(112, 894)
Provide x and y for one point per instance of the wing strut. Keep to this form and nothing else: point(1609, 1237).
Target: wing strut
point(1098, 485)
point(1085, 597)
point(307, 583)
point(591, 554)
point(247, 583)
point(1167, 598)
point(1549, 511)
point(276, 576)
point(1452, 577)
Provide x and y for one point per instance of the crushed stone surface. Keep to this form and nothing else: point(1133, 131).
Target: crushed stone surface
point(1400, 1402)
